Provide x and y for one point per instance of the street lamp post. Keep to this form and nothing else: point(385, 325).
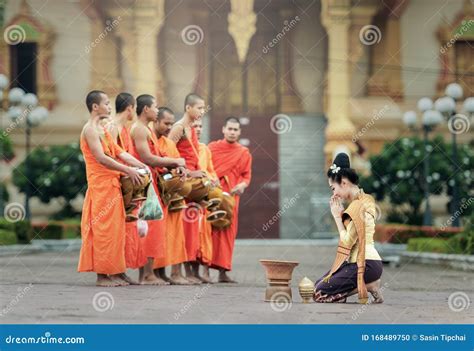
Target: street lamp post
point(446, 105)
point(430, 118)
point(23, 109)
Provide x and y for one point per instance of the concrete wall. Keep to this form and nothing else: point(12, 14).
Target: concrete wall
point(304, 193)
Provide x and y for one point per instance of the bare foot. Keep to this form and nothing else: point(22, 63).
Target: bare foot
point(129, 280)
point(193, 280)
point(118, 279)
point(206, 280)
point(179, 280)
point(104, 281)
point(374, 289)
point(153, 280)
point(224, 278)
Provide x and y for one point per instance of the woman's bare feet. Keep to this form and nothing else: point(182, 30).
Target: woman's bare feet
point(374, 289)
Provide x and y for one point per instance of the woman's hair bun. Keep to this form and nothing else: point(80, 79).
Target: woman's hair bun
point(342, 160)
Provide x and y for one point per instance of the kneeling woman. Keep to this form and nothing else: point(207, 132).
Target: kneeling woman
point(358, 266)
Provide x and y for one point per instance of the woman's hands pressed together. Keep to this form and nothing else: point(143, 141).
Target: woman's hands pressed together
point(336, 206)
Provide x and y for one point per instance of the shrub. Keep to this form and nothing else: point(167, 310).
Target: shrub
point(55, 172)
point(428, 245)
point(23, 231)
point(7, 237)
point(49, 231)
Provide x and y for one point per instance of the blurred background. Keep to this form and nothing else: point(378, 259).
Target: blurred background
point(390, 82)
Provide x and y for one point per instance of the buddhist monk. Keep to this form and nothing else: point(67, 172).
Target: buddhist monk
point(175, 238)
point(205, 248)
point(145, 146)
point(184, 136)
point(103, 213)
point(118, 127)
point(233, 164)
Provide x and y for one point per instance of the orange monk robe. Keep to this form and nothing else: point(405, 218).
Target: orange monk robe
point(175, 239)
point(233, 163)
point(205, 229)
point(188, 149)
point(154, 243)
point(134, 254)
point(103, 214)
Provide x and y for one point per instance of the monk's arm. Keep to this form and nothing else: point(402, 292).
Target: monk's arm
point(132, 161)
point(210, 167)
point(143, 149)
point(245, 176)
point(176, 133)
point(93, 141)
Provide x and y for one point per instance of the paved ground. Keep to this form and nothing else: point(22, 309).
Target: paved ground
point(45, 288)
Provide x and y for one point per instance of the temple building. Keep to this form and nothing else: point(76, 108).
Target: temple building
point(306, 78)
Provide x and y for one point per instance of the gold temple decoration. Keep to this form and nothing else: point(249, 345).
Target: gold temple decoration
point(242, 25)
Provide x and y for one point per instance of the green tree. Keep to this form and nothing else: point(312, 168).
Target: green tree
point(397, 173)
point(55, 172)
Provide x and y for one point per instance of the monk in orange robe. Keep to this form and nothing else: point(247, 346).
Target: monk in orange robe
point(103, 213)
point(119, 129)
point(145, 147)
point(233, 165)
point(184, 136)
point(176, 244)
point(205, 230)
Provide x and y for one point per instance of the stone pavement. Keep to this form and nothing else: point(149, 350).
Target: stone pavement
point(45, 288)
